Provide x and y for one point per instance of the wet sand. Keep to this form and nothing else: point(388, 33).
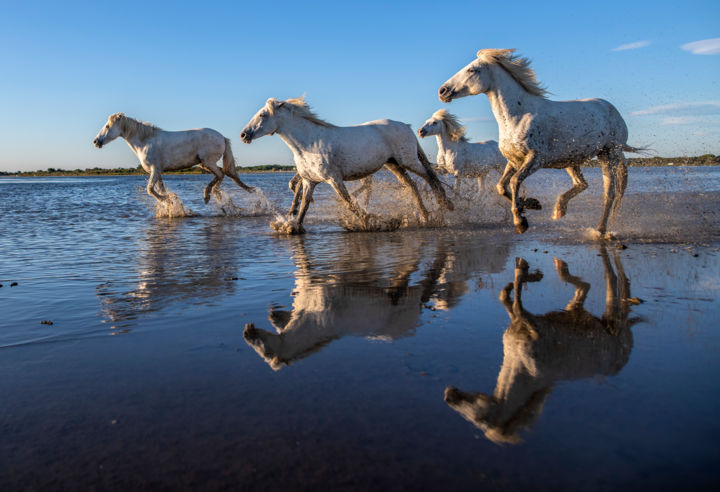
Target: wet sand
point(603, 374)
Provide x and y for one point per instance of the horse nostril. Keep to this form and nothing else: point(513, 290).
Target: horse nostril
point(443, 90)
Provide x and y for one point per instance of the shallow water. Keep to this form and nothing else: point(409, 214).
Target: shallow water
point(605, 372)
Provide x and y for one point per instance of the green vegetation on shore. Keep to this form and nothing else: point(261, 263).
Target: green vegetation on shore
point(129, 171)
point(702, 160)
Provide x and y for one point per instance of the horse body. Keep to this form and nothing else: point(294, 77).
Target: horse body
point(330, 154)
point(540, 350)
point(536, 133)
point(456, 155)
point(159, 150)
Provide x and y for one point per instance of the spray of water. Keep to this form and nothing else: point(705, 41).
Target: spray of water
point(171, 207)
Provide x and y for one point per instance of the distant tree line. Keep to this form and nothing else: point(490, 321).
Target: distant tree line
point(701, 160)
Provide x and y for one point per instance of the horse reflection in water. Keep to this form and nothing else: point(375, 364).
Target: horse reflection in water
point(542, 350)
point(367, 290)
point(176, 264)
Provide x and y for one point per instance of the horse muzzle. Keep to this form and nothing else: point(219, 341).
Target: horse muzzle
point(98, 143)
point(246, 136)
point(421, 133)
point(445, 94)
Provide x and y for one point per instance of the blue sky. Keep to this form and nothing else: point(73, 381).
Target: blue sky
point(66, 66)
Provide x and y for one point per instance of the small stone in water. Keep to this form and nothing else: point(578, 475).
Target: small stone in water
point(46, 322)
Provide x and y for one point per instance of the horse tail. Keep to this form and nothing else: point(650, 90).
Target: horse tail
point(229, 167)
point(433, 180)
point(636, 150)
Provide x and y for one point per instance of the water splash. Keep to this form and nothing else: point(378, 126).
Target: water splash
point(171, 207)
point(286, 225)
point(254, 204)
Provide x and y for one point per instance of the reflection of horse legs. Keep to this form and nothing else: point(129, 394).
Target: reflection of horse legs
point(581, 287)
point(579, 184)
point(522, 276)
point(402, 176)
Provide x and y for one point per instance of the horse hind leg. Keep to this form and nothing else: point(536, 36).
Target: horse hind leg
point(402, 176)
point(609, 177)
point(217, 179)
point(579, 185)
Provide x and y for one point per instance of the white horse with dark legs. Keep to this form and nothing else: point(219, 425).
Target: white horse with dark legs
point(159, 150)
point(456, 155)
point(538, 133)
point(327, 153)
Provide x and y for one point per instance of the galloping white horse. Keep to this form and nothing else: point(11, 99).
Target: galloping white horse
point(536, 132)
point(159, 151)
point(456, 155)
point(327, 153)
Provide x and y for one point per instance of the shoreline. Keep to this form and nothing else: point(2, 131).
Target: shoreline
point(707, 160)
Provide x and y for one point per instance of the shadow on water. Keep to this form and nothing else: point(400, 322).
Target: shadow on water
point(369, 285)
point(542, 350)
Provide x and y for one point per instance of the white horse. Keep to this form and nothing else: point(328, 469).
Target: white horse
point(159, 151)
point(456, 155)
point(537, 133)
point(327, 153)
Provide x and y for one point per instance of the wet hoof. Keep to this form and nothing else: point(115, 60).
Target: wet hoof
point(558, 213)
point(530, 204)
point(287, 226)
point(206, 198)
point(522, 226)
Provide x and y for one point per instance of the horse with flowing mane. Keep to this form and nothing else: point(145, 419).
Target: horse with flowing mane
point(159, 150)
point(327, 153)
point(536, 132)
point(456, 155)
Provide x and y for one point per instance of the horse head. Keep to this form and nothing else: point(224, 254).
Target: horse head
point(112, 130)
point(264, 122)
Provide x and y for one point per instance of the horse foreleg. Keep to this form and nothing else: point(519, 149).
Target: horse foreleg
point(531, 164)
point(402, 176)
point(579, 184)
point(160, 186)
point(342, 191)
point(154, 177)
point(297, 189)
point(307, 188)
point(366, 189)
point(502, 185)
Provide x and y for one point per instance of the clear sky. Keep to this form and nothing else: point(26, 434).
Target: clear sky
point(66, 66)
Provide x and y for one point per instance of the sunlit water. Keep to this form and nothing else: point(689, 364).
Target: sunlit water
point(394, 360)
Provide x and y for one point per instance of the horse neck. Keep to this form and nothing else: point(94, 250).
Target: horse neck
point(447, 148)
point(133, 140)
point(298, 133)
point(508, 99)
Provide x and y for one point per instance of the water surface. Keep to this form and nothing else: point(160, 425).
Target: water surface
point(377, 360)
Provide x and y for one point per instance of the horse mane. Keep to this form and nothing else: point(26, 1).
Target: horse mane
point(131, 127)
point(515, 65)
point(454, 129)
point(301, 108)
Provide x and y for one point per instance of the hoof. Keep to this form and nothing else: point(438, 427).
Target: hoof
point(531, 204)
point(206, 198)
point(522, 226)
point(285, 226)
point(558, 213)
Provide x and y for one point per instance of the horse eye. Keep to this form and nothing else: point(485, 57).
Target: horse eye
point(107, 127)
